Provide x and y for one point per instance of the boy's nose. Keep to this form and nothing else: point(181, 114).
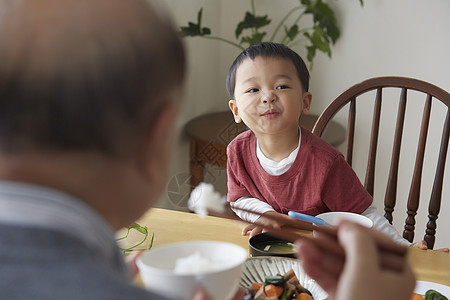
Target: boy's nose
point(268, 97)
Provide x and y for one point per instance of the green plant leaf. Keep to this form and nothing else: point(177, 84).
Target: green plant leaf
point(305, 2)
point(322, 14)
point(324, 17)
point(318, 41)
point(254, 38)
point(195, 29)
point(311, 53)
point(251, 21)
point(292, 32)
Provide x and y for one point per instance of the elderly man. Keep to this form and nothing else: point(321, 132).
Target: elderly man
point(89, 91)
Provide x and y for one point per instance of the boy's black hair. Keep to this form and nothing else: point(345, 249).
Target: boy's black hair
point(268, 49)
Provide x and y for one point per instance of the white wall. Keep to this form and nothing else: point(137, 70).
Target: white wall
point(403, 38)
point(385, 37)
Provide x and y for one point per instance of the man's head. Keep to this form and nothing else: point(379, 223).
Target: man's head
point(84, 75)
point(268, 50)
point(88, 100)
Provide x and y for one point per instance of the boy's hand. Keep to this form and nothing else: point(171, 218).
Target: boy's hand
point(263, 221)
point(423, 246)
point(253, 229)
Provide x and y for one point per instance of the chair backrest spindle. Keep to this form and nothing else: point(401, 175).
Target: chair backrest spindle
point(416, 182)
point(351, 130)
point(350, 96)
point(370, 173)
point(391, 189)
point(435, 200)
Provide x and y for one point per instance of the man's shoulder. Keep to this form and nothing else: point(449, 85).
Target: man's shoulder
point(80, 284)
point(53, 266)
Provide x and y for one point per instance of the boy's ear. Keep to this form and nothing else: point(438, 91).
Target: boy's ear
point(234, 109)
point(306, 101)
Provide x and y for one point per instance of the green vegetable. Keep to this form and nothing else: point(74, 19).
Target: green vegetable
point(283, 296)
point(434, 295)
point(141, 229)
point(274, 278)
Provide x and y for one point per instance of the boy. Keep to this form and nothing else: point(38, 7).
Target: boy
point(276, 166)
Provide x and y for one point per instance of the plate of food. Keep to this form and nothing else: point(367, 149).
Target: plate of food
point(273, 270)
point(430, 290)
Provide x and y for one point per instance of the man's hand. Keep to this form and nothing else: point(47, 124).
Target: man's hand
point(360, 276)
point(130, 261)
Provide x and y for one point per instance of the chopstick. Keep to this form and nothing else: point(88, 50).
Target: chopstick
point(389, 250)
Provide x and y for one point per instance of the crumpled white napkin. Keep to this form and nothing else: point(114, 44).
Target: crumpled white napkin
point(204, 198)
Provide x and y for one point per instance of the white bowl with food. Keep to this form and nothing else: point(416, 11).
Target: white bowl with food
point(178, 270)
point(332, 218)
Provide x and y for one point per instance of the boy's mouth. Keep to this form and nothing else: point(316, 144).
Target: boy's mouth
point(271, 113)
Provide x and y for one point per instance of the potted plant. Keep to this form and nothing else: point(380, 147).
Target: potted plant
point(322, 33)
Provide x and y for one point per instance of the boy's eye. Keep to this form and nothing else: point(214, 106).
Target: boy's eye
point(252, 90)
point(282, 87)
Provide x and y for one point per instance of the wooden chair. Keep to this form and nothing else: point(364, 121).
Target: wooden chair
point(431, 94)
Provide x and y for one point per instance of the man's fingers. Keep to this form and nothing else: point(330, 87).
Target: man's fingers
point(200, 295)
point(329, 262)
point(355, 241)
point(311, 259)
point(388, 254)
point(240, 294)
point(130, 261)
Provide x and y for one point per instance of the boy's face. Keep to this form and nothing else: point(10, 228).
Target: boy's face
point(269, 97)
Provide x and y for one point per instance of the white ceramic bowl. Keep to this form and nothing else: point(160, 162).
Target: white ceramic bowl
point(333, 217)
point(157, 265)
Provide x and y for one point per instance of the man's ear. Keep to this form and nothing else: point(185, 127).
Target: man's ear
point(156, 149)
point(234, 109)
point(306, 101)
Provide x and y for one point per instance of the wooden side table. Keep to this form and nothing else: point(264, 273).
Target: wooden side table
point(210, 134)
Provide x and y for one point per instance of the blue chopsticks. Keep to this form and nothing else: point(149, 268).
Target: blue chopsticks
point(307, 218)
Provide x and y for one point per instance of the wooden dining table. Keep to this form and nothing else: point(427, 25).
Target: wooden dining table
point(170, 226)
